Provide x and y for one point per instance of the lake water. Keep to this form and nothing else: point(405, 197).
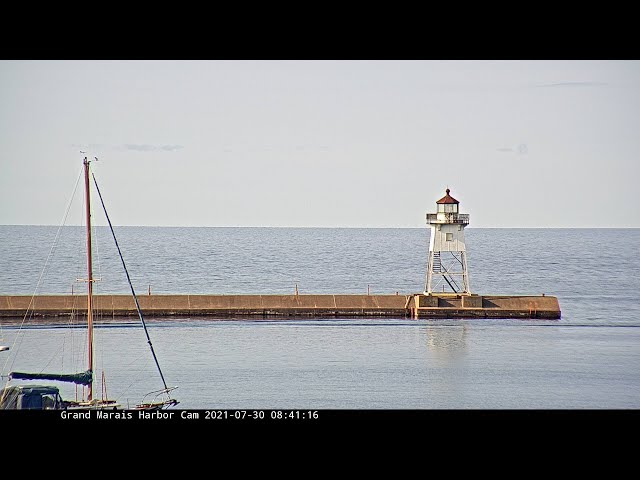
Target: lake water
point(588, 359)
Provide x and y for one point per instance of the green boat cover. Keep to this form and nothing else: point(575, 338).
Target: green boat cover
point(83, 378)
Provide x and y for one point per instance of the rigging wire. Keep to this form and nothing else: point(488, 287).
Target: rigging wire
point(29, 311)
point(134, 379)
point(135, 298)
point(76, 355)
point(98, 314)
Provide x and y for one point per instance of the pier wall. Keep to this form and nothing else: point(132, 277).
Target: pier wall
point(404, 306)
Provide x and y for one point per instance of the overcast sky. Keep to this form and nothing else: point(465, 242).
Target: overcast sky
point(324, 143)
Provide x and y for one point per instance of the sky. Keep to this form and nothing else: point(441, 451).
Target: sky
point(322, 143)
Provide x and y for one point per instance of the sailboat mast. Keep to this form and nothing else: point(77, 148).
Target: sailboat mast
point(89, 277)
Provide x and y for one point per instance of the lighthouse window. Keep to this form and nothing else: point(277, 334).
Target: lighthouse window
point(449, 237)
point(448, 207)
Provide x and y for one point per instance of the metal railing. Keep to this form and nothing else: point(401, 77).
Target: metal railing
point(458, 218)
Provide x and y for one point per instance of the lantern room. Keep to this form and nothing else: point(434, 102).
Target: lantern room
point(447, 204)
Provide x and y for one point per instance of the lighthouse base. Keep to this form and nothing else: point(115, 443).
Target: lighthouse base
point(485, 306)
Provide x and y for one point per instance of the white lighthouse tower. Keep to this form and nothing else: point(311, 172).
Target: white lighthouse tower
point(447, 265)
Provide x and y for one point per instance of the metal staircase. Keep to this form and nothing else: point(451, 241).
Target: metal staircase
point(439, 267)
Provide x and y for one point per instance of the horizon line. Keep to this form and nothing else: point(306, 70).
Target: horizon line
point(315, 227)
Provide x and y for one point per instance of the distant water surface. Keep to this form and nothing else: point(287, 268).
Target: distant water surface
point(588, 359)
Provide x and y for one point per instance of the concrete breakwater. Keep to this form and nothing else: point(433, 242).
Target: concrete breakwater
point(399, 306)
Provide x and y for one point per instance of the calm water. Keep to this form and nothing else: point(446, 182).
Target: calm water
point(588, 359)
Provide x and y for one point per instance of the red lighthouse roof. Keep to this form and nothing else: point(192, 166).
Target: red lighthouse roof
point(447, 198)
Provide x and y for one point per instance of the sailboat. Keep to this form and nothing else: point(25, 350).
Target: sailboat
point(31, 396)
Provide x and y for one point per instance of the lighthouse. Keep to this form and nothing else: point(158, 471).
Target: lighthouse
point(447, 265)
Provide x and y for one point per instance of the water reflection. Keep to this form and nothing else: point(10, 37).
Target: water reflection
point(446, 341)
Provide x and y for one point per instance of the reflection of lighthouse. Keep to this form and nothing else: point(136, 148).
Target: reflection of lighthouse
point(447, 265)
point(446, 340)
